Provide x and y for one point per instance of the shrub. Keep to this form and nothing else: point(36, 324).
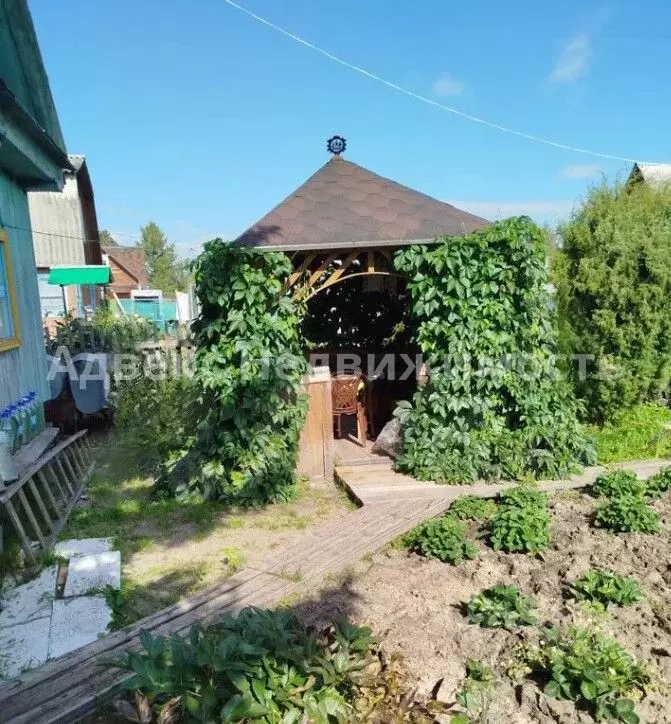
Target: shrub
point(627, 514)
point(659, 483)
point(471, 508)
point(593, 670)
point(619, 482)
point(614, 292)
point(258, 666)
point(636, 434)
point(493, 406)
point(442, 538)
point(249, 364)
point(106, 332)
point(521, 521)
point(501, 607)
point(155, 417)
point(606, 587)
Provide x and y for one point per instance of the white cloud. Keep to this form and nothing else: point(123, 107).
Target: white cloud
point(538, 210)
point(582, 170)
point(573, 60)
point(446, 85)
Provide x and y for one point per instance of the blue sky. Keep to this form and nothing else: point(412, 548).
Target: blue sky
point(197, 117)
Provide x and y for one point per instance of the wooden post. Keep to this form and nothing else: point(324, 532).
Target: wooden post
point(315, 452)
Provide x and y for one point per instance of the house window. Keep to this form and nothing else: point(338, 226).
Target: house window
point(10, 336)
point(51, 297)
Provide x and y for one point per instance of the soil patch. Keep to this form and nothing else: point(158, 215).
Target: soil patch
point(416, 605)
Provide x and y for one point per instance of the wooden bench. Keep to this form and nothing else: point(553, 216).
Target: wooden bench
point(40, 501)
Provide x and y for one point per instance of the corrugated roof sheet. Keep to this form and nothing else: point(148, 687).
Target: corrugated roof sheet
point(344, 204)
point(655, 173)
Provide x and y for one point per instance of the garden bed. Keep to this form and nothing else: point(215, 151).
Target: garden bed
point(418, 605)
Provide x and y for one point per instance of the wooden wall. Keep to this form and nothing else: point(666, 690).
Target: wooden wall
point(315, 452)
point(24, 368)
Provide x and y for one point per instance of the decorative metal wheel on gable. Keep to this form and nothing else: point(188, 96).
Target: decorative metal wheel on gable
point(316, 271)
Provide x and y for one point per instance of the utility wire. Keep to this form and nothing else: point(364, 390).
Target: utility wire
point(429, 101)
point(83, 239)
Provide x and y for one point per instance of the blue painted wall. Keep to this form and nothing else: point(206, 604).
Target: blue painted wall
point(24, 368)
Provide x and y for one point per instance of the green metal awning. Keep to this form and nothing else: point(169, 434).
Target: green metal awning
point(79, 275)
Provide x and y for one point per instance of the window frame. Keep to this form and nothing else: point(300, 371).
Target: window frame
point(8, 343)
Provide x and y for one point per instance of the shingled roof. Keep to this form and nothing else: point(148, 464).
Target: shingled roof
point(345, 205)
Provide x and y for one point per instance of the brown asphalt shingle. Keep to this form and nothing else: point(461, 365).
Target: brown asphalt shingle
point(132, 259)
point(344, 204)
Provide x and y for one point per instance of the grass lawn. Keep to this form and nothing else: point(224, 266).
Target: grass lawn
point(170, 550)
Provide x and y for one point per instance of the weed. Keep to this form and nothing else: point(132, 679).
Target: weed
point(475, 693)
point(233, 558)
point(604, 587)
point(442, 538)
point(501, 607)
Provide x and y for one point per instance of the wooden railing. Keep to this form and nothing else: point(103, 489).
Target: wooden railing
point(41, 500)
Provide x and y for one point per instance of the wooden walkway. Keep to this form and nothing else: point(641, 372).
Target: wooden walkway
point(71, 686)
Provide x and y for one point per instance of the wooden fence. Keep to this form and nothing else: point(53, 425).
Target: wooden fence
point(40, 501)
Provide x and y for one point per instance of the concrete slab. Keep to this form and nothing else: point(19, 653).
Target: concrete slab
point(29, 600)
point(83, 547)
point(76, 622)
point(23, 646)
point(93, 573)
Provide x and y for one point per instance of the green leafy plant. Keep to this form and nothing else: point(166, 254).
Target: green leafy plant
point(260, 666)
point(521, 521)
point(106, 332)
point(659, 484)
point(494, 405)
point(638, 433)
point(442, 538)
point(471, 508)
point(474, 695)
point(248, 368)
point(606, 587)
point(501, 607)
point(619, 482)
point(627, 514)
point(593, 670)
point(155, 417)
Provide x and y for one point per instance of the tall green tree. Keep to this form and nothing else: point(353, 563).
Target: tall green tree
point(164, 270)
point(613, 278)
point(106, 238)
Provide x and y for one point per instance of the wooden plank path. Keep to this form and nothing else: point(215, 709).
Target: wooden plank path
point(70, 687)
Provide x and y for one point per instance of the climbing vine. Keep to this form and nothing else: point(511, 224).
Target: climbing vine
point(495, 405)
point(248, 368)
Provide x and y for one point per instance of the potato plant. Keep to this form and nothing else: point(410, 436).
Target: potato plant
point(627, 514)
point(619, 482)
point(442, 538)
point(606, 587)
point(592, 670)
point(521, 522)
point(501, 607)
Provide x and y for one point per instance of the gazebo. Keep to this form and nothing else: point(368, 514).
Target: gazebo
point(341, 229)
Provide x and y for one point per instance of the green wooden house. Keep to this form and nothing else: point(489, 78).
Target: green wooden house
point(32, 157)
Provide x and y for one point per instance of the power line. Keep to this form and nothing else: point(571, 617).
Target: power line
point(84, 239)
point(430, 101)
